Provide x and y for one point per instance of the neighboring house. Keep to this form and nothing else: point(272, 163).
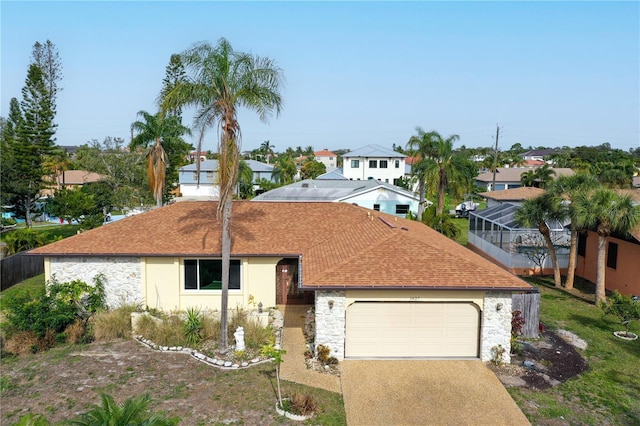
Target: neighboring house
point(372, 194)
point(333, 175)
point(514, 196)
point(622, 257)
point(70, 179)
point(509, 177)
point(374, 162)
point(538, 154)
point(382, 286)
point(328, 158)
point(208, 186)
point(495, 234)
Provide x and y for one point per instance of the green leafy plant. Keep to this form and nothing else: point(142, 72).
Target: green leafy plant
point(24, 239)
point(193, 327)
point(625, 308)
point(133, 411)
point(275, 353)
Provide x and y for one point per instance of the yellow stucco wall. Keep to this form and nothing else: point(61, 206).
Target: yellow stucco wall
point(164, 285)
point(404, 295)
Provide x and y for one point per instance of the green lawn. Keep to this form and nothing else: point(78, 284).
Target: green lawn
point(609, 391)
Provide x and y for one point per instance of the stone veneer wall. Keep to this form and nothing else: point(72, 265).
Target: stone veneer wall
point(122, 275)
point(496, 325)
point(330, 322)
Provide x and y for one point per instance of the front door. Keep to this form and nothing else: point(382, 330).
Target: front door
point(287, 291)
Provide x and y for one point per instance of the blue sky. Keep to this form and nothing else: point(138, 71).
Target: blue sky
point(549, 73)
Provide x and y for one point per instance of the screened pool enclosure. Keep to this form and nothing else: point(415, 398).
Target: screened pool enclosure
point(495, 232)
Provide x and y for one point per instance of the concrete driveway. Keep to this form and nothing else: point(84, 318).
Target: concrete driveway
point(408, 392)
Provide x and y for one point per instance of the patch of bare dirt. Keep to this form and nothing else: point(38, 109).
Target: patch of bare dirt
point(541, 363)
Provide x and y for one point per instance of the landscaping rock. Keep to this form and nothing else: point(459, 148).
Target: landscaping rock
point(572, 339)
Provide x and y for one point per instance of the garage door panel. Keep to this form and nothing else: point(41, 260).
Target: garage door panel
point(392, 329)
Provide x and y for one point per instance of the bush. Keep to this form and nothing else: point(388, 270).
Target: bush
point(21, 343)
point(625, 308)
point(193, 327)
point(77, 332)
point(303, 404)
point(47, 313)
point(113, 324)
point(25, 239)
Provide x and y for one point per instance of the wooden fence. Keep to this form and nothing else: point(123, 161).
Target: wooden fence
point(19, 267)
point(529, 305)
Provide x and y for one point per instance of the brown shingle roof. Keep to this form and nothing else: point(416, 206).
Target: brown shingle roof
point(514, 194)
point(341, 245)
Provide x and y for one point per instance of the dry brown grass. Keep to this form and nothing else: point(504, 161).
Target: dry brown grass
point(304, 404)
point(113, 324)
point(76, 332)
point(22, 343)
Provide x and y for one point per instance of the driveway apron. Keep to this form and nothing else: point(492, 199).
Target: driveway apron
point(425, 392)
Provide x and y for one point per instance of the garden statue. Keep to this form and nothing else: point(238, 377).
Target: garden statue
point(239, 335)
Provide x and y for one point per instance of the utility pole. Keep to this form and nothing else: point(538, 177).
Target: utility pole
point(495, 159)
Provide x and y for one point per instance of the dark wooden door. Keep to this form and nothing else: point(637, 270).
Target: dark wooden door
point(287, 291)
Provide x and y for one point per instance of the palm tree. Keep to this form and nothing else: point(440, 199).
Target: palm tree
point(444, 168)
point(245, 181)
point(219, 81)
point(538, 212)
point(422, 147)
point(267, 150)
point(159, 130)
point(606, 212)
point(544, 175)
point(528, 178)
point(284, 170)
point(567, 189)
point(131, 412)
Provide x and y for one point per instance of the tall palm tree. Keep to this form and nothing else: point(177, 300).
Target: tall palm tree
point(606, 212)
point(267, 150)
point(423, 148)
point(544, 175)
point(444, 169)
point(245, 181)
point(538, 212)
point(219, 81)
point(160, 130)
point(284, 170)
point(567, 189)
point(528, 178)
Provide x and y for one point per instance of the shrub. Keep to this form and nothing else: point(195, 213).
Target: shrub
point(24, 239)
point(625, 308)
point(303, 404)
point(517, 322)
point(113, 324)
point(323, 353)
point(77, 332)
point(193, 327)
point(22, 343)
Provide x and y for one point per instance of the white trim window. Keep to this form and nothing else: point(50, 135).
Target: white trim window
point(206, 274)
point(355, 164)
point(383, 164)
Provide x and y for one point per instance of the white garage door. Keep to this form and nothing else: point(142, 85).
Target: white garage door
point(395, 330)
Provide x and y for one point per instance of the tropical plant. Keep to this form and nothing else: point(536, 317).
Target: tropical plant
point(606, 213)
point(625, 308)
point(543, 176)
point(421, 146)
point(193, 327)
point(133, 411)
point(537, 212)
point(219, 81)
point(275, 353)
point(161, 130)
point(245, 181)
point(284, 170)
point(24, 239)
point(443, 168)
point(311, 168)
point(443, 223)
point(528, 178)
point(266, 149)
point(567, 188)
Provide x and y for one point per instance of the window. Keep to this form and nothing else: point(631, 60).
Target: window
point(206, 274)
point(376, 207)
point(402, 208)
point(397, 164)
point(612, 256)
point(373, 164)
point(383, 164)
point(195, 176)
point(330, 158)
point(582, 245)
point(355, 164)
point(210, 176)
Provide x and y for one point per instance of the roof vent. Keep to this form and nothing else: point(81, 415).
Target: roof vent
point(305, 185)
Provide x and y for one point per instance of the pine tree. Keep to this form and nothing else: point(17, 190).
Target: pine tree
point(33, 140)
point(174, 75)
point(46, 56)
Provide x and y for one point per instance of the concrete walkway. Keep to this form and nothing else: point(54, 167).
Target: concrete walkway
point(293, 367)
point(403, 392)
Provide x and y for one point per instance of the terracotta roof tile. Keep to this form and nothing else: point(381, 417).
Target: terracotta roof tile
point(341, 245)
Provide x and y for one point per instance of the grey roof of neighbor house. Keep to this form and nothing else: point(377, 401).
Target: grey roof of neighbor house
point(327, 190)
point(212, 165)
point(332, 175)
point(373, 151)
point(512, 174)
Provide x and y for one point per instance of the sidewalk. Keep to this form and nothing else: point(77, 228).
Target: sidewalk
point(293, 367)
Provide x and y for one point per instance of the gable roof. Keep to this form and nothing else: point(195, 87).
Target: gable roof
point(373, 151)
point(328, 190)
point(512, 174)
point(514, 194)
point(324, 153)
point(340, 245)
point(78, 177)
point(332, 175)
